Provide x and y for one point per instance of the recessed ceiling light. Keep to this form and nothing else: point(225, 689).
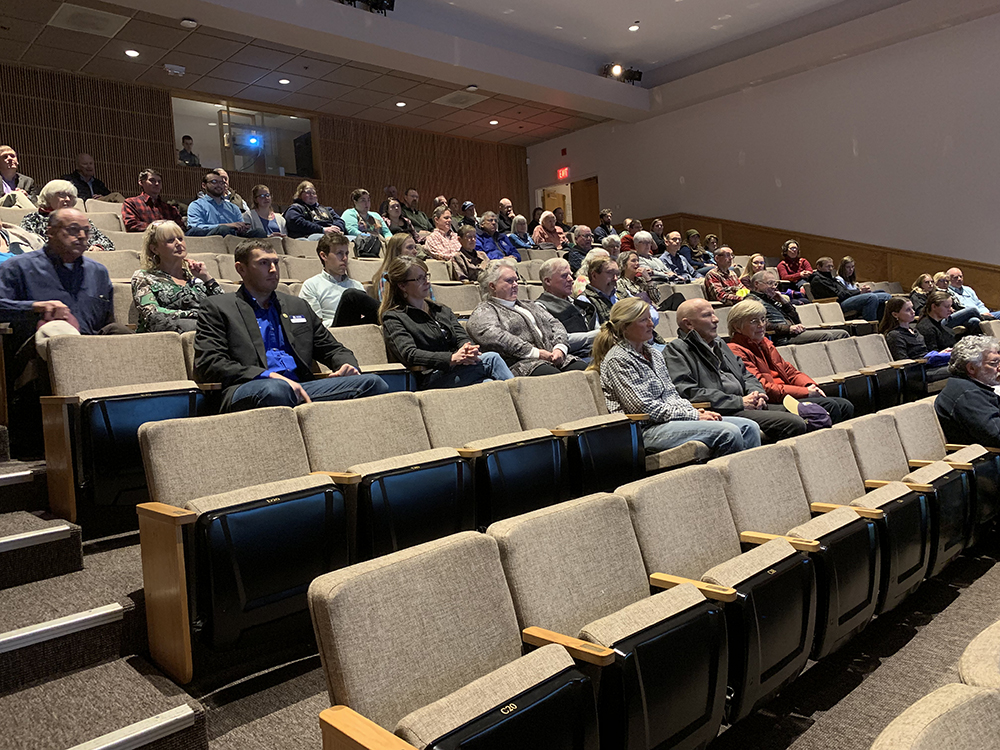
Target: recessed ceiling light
point(725, 17)
point(189, 23)
point(558, 28)
point(284, 81)
point(494, 122)
point(717, 27)
point(213, 123)
point(400, 104)
point(634, 27)
point(132, 53)
point(219, 106)
point(292, 117)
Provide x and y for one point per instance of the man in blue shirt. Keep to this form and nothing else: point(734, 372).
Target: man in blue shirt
point(491, 242)
point(967, 295)
point(261, 344)
point(211, 213)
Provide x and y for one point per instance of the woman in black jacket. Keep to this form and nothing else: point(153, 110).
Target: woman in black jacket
point(932, 325)
point(425, 335)
point(906, 343)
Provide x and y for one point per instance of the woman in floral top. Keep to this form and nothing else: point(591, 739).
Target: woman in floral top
point(60, 194)
point(170, 288)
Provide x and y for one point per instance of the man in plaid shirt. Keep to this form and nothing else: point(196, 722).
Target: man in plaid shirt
point(142, 210)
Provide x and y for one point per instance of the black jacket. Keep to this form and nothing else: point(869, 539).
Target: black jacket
point(83, 191)
point(969, 412)
point(906, 343)
point(228, 347)
point(423, 339)
point(824, 285)
point(302, 220)
point(781, 316)
point(577, 316)
point(696, 373)
point(937, 335)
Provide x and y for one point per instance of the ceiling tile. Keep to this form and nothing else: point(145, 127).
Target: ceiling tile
point(157, 76)
point(325, 58)
point(17, 30)
point(344, 109)
point(304, 101)
point(271, 81)
point(375, 114)
point(372, 68)
point(144, 31)
point(211, 85)
point(261, 57)
point(521, 140)
point(143, 15)
point(564, 111)
point(494, 135)
point(209, 46)
point(463, 116)
point(511, 99)
point(441, 126)
point(469, 131)
point(411, 76)
point(390, 85)
point(390, 104)
point(350, 76)
point(75, 41)
point(261, 94)
point(227, 35)
point(325, 89)
point(546, 132)
point(546, 118)
point(120, 70)
point(445, 84)
point(236, 72)
point(520, 127)
point(39, 11)
point(115, 50)
point(433, 110)
point(49, 57)
point(429, 93)
point(410, 121)
point(106, 7)
point(575, 123)
point(501, 121)
point(361, 96)
point(12, 50)
point(277, 47)
point(193, 64)
point(490, 107)
point(521, 112)
point(308, 67)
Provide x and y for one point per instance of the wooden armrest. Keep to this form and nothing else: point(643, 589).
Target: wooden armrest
point(819, 300)
point(578, 649)
point(863, 512)
point(391, 367)
point(210, 386)
point(900, 364)
point(701, 404)
point(709, 590)
point(959, 446)
point(166, 513)
point(563, 433)
point(345, 729)
point(921, 360)
point(341, 477)
point(71, 400)
point(960, 465)
point(868, 370)
point(759, 537)
point(873, 484)
point(469, 452)
point(638, 417)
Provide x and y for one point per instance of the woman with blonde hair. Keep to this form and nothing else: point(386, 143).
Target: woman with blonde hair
point(401, 244)
point(635, 380)
point(262, 215)
point(756, 264)
point(169, 288)
point(419, 332)
point(60, 194)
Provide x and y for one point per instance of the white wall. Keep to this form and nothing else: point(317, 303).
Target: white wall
point(898, 147)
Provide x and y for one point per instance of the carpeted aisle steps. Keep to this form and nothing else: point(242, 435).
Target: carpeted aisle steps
point(123, 703)
point(33, 549)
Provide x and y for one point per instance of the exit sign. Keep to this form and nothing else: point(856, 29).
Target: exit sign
point(562, 173)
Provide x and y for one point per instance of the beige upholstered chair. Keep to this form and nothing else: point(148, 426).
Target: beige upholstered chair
point(125, 311)
point(107, 221)
point(369, 349)
point(213, 244)
point(461, 298)
point(833, 314)
point(814, 360)
point(360, 269)
point(956, 717)
point(227, 268)
point(100, 207)
point(299, 269)
point(121, 264)
point(980, 662)
point(126, 240)
point(211, 261)
point(887, 386)
point(232, 241)
point(300, 248)
point(425, 642)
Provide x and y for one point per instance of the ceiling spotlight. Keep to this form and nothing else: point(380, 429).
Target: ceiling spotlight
point(284, 81)
point(472, 87)
point(400, 104)
point(616, 70)
point(494, 122)
point(612, 70)
point(634, 27)
point(189, 23)
point(132, 53)
point(213, 123)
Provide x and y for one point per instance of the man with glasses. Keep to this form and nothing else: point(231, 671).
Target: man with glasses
point(491, 242)
point(583, 240)
point(142, 210)
point(969, 408)
point(783, 324)
point(212, 214)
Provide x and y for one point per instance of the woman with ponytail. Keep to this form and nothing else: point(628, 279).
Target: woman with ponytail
point(635, 380)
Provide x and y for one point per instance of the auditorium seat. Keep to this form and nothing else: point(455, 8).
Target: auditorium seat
point(532, 291)
point(230, 543)
point(104, 388)
point(299, 269)
point(980, 662)
point(461, 298)
point(881, 458)
point(232, 241)
point(209, 244)
point(814, 360)
point(10, 215)
point(368, 345)
point(211, 261)
point(101, 207)
point(810, 317)
point(912, 373)
point(107, 222)
point(576, 569)
point(377, 449)
point(227, 268)
point(686, 534)
point(667, 325)
point(722, 313)
point(121, 264)
point(437, 270)
point(127, 240)
point(125, 311)
point(766, 495)
point(300, 248)
point(886, 385)
point(833, 313)
point(541, 253)
point(421, 649)
point(956, 717)
point(359, 269)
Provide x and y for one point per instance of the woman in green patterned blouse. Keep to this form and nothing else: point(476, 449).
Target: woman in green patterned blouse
point(169, 289)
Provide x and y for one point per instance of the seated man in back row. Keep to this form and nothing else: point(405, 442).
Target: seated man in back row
point(261, 344)
point(213, 214)
point(336, 298)
point(704, 369)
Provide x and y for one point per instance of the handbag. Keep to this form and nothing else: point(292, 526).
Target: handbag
point(367, 246)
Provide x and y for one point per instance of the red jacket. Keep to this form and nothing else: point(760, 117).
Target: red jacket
point(778, 377)
point(791, 270)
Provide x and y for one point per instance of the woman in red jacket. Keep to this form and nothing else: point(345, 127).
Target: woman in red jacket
point(792, 268)
point(747, 321)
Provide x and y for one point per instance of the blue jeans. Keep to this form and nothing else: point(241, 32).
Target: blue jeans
point(222, 230)
point(968, 317)
point(274, 392)
point(491, 367)
point(731, 435)
point(868, 305)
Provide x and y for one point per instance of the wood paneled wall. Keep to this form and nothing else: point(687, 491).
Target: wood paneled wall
point(50, 116)
point(874, 262)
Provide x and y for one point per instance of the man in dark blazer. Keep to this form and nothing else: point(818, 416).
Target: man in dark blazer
point(262, 344)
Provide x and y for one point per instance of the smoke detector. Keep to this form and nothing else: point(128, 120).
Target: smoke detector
point(174, 70)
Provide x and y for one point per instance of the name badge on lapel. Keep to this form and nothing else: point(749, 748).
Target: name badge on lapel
point(298, 319)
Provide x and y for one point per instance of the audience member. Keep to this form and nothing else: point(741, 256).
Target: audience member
point(701, 259)
point(519, 236)
point(396, 221)
point(747, 323)
point(969, 407)
point(505, 216)
point(336, 298)
point(442, 243)
point(421, 333)
point(656, 230)
point(169, 288)
point(612, 246)
point(469, 261)
point(15, 241)
point(656, 269)
point(492, 242)
point(634, 280)
point(967, 295)
point(938, 335)
point(86, 183)
point(941, 281)
point(602, 286)
point(756, 264)
point(583, 274)
point(578, 315)
point(676, 263)
point(906, 343)
point(55, 195)
point(548, 232)
point(711, 244)
point(583, 243)
point(559, 212)
point(631, 226)
point(390, 193)
point(635, 380)
point(421, 222)
point(605, 228)
point(455, 205)
point(19, 190)
point(262, 216)
point(231, 195)
point(439, 200)
point(783, 323)
point(364, 226)
point(399, 245)
point(536, 218)
point(186, 157)
point(143, 209)
point(212, 214)
point(868, 306)
point(235, 330)
point(306, 218)
point(722, 284)
point(919, 291)
point(704, 369)
point(794, 269)
point(846, 275)
point(468, 217)
point(529, 339)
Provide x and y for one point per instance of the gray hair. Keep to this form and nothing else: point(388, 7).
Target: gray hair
point(55, 188)
point(491, 273)
point(612, 240)
point(548, 268)
point(517, 221)
point(971, 350)
point(589, 259)
point(761, 276)
point(745, 311)
point(487, 215)
point(643, 236)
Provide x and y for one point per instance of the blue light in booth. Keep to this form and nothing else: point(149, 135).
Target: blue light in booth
point(253, 141)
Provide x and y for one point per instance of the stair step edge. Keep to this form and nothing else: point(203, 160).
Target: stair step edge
point(143, 732)
point(61, 626)
point(33, 538)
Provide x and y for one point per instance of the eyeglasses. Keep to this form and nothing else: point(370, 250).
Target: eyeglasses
point(991, 363)
point(75, 231)
point(264, 195)
point(214, 182)
point(419, 279)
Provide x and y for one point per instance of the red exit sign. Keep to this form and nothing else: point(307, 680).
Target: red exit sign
point(562, 173)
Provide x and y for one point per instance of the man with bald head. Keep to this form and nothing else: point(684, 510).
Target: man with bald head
point(84, 179)
point(505, 215)
point(583, 238)
point(967, 295)
point(704, 369)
